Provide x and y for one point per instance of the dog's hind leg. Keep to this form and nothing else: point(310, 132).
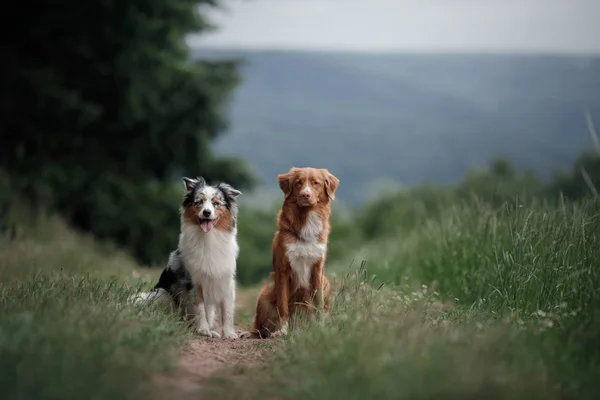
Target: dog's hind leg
point(266, 320)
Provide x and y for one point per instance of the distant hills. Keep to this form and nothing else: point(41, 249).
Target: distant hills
point(406, 119)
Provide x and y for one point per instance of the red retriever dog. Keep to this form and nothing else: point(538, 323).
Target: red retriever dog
point(299, 251)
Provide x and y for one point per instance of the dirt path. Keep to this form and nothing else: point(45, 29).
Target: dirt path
point(206, 358)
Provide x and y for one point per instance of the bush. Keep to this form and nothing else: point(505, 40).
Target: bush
point(499, 183)
point(402, 211)
point(142, 218)
point(582, 181)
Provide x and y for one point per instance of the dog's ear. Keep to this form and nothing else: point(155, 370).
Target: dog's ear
point(285, 183)
point(191, 184)
point(230, 192)
point(331, 184)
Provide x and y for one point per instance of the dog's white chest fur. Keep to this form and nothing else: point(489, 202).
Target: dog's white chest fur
point(305, 252)
point(210, 259)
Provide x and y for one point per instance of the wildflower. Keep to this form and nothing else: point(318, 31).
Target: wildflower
point(548, 323)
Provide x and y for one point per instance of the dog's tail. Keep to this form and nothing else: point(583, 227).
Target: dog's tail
point(157, 296)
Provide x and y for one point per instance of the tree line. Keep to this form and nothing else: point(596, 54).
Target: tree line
point(102, 110)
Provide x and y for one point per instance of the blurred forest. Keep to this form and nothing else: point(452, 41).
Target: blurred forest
point(102, 112)
point(105, 109)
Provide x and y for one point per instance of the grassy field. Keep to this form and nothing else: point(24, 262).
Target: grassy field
point(475, 301)
point(65, 329)
point(480, 302)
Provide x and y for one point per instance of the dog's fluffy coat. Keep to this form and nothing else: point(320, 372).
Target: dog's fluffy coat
point(200, 274)
point(299, 251)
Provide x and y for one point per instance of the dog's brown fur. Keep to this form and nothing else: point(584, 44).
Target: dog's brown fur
point(284, 297)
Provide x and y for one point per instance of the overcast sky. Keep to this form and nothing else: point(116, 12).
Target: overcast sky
point(555, 26)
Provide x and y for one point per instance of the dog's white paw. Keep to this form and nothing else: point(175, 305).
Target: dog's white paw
point(215, 334)
point(230, 335)
point(282, 332)
point(136, 298)
point(205, 332)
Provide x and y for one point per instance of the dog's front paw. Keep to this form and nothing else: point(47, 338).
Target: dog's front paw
point(230, 335)
point(281, 332)
point(205, 332)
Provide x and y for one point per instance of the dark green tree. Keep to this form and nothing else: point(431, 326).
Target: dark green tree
point(102, 109)
point(583, 180)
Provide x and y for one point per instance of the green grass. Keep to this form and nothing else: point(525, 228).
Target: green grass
point(66, 331)
point(478, 301)
point(508, 309)
point(510, 258)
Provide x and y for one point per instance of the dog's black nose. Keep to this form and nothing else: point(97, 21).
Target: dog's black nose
point(206, 213)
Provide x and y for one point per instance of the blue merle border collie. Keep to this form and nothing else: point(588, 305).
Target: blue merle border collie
point(200, 274)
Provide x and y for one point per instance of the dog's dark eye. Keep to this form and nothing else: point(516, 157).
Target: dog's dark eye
point(216, 204)
point(198, 203)
point(316, 182)
point(298, 183)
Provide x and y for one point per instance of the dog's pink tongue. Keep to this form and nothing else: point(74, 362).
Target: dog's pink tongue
point(207, 225)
